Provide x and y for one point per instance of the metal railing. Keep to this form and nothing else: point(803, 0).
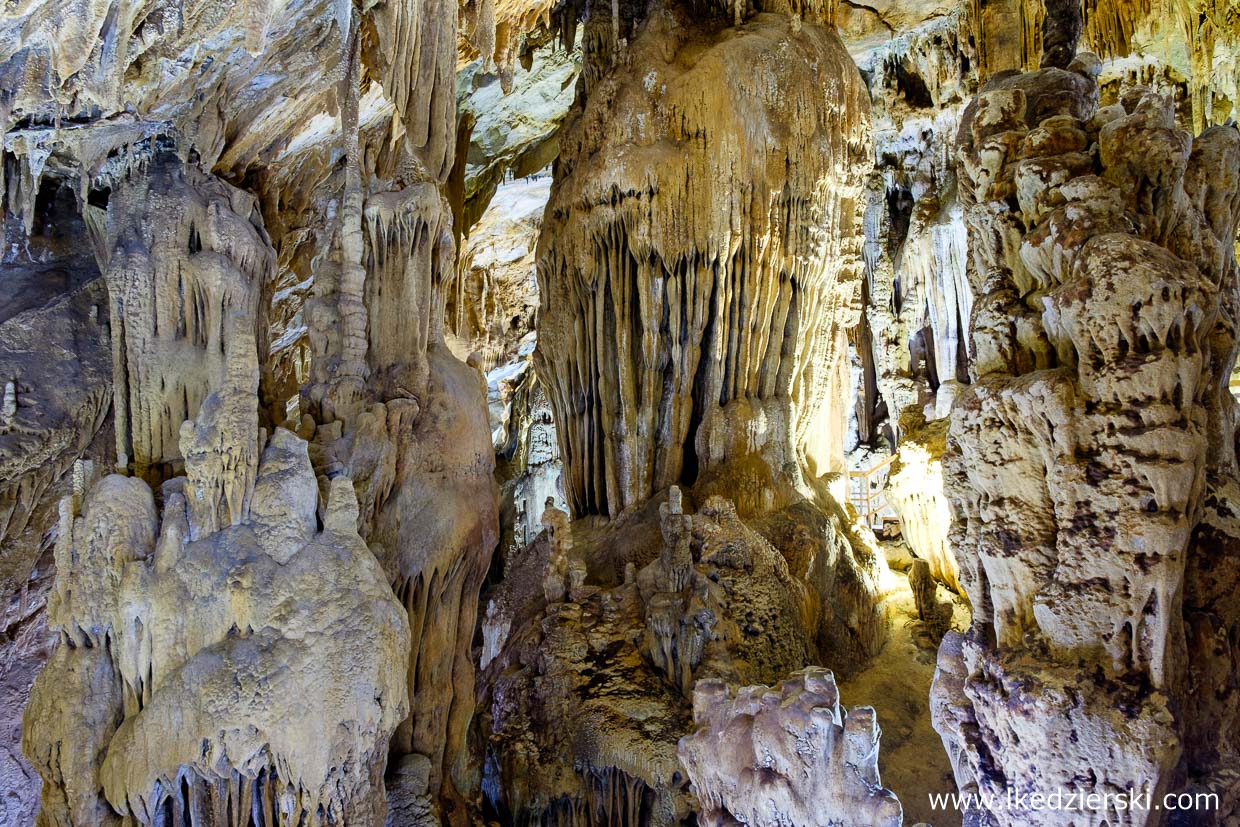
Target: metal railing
point(867, 491)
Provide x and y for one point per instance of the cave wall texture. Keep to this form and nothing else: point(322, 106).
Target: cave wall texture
point(444, 413)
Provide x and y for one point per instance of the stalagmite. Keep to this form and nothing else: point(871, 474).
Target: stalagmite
point(351, 307)
point(8, 408)
point(225, 613)
point(1061, 30)
point(599, 685)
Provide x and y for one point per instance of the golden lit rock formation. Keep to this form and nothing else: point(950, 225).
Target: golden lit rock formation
point(696, 278)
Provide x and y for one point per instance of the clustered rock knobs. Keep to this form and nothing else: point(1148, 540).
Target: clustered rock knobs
point(316, 510)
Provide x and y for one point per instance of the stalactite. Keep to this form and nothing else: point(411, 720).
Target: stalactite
point(1184, 34)
point(258, 14)
point(1109, 25)
point(415, 54)
point(671, 289)
point(188, 260)
point(182, 620)
point(484, 32)
point(409, 256)
point(350, 179)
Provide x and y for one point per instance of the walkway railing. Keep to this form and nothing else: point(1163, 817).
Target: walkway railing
point(867, 490)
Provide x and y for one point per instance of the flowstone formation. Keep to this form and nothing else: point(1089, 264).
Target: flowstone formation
point(1090, 461)
point(186, 261)
point(915, 490)
point(427, 508)
point(588, 694)
point(591, 686)
point(923, 65)
point(695, 280)
point(423, 413)
point(785, 755)
point(1189, 47)
point(189, 656)
point(390, 407)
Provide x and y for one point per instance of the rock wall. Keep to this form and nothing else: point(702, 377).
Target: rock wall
point(57, 401)
point(55, 406)
point(923, 65)
point(761, 246)
point(422, 470)
point(1193, 42)
point(917, 296)
point(1082, 459)
point(491, 303)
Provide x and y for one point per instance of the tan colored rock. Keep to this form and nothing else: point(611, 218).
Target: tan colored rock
point(1080, 460)
point(662, 200)
point(186, 264)
point(492, 302)
point(214, 639)
point(1190, 44)
point(935, 615)
point(918, 291)
point(68, 725)
point(587, 697)
point(145, 100)
point(674, 210)
point(426, 504)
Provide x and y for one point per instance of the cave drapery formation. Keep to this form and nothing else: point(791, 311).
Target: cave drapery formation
point(618, 412)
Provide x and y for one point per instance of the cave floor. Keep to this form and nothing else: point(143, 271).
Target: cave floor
point(897, 684)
